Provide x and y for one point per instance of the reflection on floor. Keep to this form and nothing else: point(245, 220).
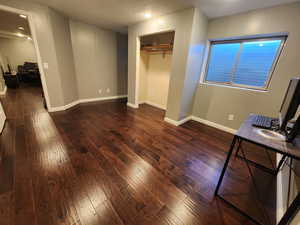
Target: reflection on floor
point(105, 163)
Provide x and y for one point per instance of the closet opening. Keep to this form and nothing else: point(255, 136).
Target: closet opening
point(155, 68)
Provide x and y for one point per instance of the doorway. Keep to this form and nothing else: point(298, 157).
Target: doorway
point(28, 17)
point(19, 64)
point(155, 68)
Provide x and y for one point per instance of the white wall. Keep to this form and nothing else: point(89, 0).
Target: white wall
point(16, 51)
point(97, 61)
point(159, 71)
point(155, 71)
point(144, 64)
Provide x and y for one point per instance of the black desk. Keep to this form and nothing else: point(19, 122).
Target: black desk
point(249, 133)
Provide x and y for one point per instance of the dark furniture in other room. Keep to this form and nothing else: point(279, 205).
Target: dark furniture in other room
point(29, 72)
point(11, 81)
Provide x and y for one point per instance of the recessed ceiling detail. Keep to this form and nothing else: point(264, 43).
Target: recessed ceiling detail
point(13, 25)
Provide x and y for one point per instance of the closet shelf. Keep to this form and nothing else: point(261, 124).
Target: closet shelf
point(165, 48)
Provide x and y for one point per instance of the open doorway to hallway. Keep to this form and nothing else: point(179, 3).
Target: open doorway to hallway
point(20, 73)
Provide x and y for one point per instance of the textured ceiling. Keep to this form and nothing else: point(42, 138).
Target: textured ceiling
point(118, 14)
point(218, 8)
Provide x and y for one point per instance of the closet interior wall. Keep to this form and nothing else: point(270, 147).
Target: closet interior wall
point(155, 69)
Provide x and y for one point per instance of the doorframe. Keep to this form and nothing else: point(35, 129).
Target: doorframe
point(35, 43)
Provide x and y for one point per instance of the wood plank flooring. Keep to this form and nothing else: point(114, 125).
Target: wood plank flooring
point(106, 164)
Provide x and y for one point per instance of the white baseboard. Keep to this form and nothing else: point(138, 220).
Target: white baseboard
point(4, 91)
point(132, 105)
point(212, 124)
point(72, 104)
point(177, 122)
point(197, 119)
point(101, 98)
point(154, 105)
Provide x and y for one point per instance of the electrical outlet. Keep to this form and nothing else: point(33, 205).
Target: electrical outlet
point(230, 117)
point(100, 91)
point(107, 90)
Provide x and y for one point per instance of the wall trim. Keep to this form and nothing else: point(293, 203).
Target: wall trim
point(134, 106)
point(81, 101)
point(4, 91)
point(178, 122)
point(200, 120)
point(86, 100)
point(213, 124)
point(154, 104)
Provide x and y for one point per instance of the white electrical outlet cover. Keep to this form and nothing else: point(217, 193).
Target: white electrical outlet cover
point(46, 65)
point(231, 117)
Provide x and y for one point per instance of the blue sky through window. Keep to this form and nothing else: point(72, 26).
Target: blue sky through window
point(242, 63)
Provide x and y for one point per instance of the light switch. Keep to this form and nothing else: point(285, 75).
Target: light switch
point(46, 66)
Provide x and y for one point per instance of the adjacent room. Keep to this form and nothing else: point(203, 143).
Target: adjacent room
point(18, 60)
point(174, 112)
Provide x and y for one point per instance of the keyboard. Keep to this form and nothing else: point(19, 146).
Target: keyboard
point(263, 122)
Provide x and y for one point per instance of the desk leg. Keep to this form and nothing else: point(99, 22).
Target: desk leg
point(238, 148)
point(225, 165)
point(291, 211)
point(280, 164)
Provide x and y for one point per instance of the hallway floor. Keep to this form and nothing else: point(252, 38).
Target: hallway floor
point(107, 164)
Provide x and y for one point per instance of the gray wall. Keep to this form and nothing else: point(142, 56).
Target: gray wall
point(100, 61)
point(214, 103)
point(182, 22)
point(194, 62)
point(82, 58)
point(64, 55)
point(16, 51)
point(122, 64)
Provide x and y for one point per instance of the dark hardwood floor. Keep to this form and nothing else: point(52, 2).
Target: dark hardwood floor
point(106, 164)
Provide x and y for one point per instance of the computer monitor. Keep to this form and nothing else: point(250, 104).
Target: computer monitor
point(290, 103)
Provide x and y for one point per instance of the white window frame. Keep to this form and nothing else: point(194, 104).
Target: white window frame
point(283, 39)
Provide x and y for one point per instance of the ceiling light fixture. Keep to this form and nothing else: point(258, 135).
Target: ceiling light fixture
point(147, 15)
point(23, 16)
point(20, 35)
point(29, 38)
point(21, 28)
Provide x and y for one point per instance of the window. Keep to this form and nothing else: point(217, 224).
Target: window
point(243, 63)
